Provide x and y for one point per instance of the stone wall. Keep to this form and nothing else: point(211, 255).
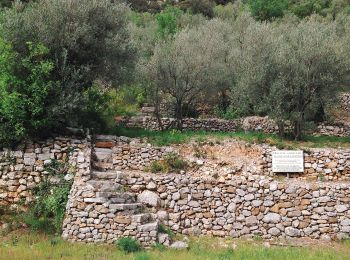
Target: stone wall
point(253, 123)
point(319, 164)
point(117, 153)
point(235, 207)
point(122, 153)
point(345, 102)
point(24, 168)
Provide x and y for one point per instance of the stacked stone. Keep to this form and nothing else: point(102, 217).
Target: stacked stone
point(340, 129)
point(117, 153)
point(345, 102)
point(253, 124)
point(322, 164)
point(100, 210)
point(235, 207)
point(21, 170)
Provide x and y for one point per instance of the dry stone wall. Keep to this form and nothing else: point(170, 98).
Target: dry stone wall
point(136, 154)
point(239, 206)
point(21, 170)
point(117, 153)
point(345, 102)
point(252, 124)
point(319, 164)
point(106, 205)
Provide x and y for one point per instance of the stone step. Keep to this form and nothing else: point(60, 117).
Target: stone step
point(143, 218)
point(153, 226)
point(107, 175)
point(105, 186)
point(127, 207)
point(117, 197)
point(103, 154)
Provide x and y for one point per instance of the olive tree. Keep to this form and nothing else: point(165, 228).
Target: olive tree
point(188, 65)
point(312, 61)
point(288, 70)
point(88, 44)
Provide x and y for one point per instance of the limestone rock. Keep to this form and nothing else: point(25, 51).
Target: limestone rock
point(149, 198)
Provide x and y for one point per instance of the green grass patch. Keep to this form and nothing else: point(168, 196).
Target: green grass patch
point(24, 245)
point(159, 138)
point(171, 163)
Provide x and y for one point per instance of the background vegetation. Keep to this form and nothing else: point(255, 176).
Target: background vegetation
point(83, 63)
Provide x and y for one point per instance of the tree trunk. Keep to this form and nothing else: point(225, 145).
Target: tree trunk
point(179, 115)
point(159, 119)
point(281, 129)
point(297, 129)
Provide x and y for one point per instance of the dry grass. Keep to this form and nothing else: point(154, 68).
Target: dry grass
point(26, 245)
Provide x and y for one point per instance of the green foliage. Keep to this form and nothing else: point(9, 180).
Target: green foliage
point(164, 229)
point(204, 7)
point(157, 166)
point(172, 162)
point(306, 8)
point(159, 247)
point(24, 90)
point(167, 21)
point(267, 9)
point(128, 245)
point(58, 86)
point(47, 211)
point(175, 162)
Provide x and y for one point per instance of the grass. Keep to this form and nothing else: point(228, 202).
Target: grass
point(24, 245)
point(177, 137)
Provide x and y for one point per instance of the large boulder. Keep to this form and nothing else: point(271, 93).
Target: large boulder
point(149, 198)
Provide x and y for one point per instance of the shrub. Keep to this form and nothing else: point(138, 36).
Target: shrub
point(159, 247)
point(164, 229)
point(205, 7)
point(157, 166)
point(128, 245)
point(24, 89)
point(167, 21)
point(175, 162)
point(47, 211)
point(267, 9)
point(49, 89)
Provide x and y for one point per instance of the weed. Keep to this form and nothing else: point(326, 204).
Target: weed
point(47, 211)
point(257, 238)
point(321, 177)
point(159, 247)
point(128, 245)
point(142, 256)
point(164, 229)
point(175, 162)
point(199, 152)
point(157, 166)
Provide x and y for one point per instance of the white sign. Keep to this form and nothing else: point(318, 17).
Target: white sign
point(287, 161)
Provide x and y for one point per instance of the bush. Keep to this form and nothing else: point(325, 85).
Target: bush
point(128, 245)
point(171, 162)
point(165, 230)
point(47, 211)
point(157, 166)
point(48, 89)
point(205, 7)
point(175, 162)
point(24, 90)
point(267, 9)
